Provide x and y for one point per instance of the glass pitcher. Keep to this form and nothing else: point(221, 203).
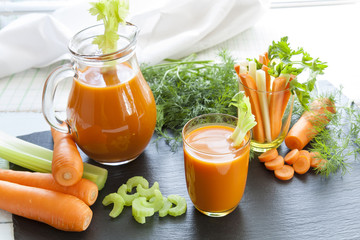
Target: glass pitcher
point(111, 111)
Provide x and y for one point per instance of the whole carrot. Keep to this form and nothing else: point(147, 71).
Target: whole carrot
point(62, 211)
point(85, 189)
point(67, 166)
point(306, 128)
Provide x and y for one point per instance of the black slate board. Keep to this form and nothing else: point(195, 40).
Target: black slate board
point(306, 207)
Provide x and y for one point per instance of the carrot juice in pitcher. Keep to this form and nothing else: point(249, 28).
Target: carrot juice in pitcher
point(111, 112)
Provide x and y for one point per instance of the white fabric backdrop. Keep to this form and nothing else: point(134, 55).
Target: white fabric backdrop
point(170, 28)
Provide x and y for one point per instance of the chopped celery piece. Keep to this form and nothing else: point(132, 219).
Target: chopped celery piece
point(37, 158)
point(156, 202)
point(134, 181)
point(180, 207)
point(118, 202)
point(166, 206)
point(128, 198)
point(147, 192)
point(146, 201)
point(141, 220)
point(139, 211)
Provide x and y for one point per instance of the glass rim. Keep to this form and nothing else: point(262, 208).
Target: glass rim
point(103, 57)
point(248, 134)
point(260, 91)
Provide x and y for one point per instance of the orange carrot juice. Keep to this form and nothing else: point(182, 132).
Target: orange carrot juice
point(215, 171)
point(112, 113)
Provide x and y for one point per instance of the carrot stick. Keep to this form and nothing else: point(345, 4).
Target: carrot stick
point(302, 164)
point(238, 68)
point(67, 166)
point(306, 128)
point(268, 155)
point(291, 156)
point(277, 163)
point(284, 173)
point(275, 106)
point(59, 210)
point(85, 189)
point(287, 94)
point(264, 58)
point(250, 90)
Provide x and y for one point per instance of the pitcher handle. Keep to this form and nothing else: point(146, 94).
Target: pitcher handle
point(59, 74)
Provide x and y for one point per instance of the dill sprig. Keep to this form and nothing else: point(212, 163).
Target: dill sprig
point(338, 143)
point(187, 88)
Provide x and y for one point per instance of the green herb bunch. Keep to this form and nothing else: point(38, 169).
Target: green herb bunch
point(285, 60)
point(338, 143)
point(187, 88)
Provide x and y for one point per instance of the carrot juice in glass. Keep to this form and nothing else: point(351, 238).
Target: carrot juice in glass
point(215, 171)
point(111, 111)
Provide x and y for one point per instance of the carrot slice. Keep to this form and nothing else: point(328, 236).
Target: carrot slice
point(59, 210)
point(277, 163)
point(85, 189)
point(275, 106)
point(291, 156)
point(67, 166)
point(250, 90)
point(268, 155)
point(306, 128)
point(316, 161)
point(284, 173)
point(302, 164)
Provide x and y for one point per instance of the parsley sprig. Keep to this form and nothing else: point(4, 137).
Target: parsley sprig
point(112, 13)
point(285, 60)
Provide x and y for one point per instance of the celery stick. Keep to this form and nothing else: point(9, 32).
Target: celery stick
point(23, 159)
point(4, 164)
point(264, 105)
point(252, 69)
point(246, 119)
point(37, 158)
point(25, 146)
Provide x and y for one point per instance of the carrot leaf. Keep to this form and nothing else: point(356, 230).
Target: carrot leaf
point(112, 13)
point(246, 120)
